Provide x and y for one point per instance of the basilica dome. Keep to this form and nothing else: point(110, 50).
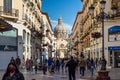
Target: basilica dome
point(60, 27)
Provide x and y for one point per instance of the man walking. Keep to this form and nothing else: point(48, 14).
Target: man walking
point(71, 64)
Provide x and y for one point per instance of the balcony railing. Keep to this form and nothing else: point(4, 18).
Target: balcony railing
point(118, 11)
point(25, 0)
point(14, 13)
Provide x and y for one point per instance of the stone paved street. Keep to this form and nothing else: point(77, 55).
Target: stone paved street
point(48, 76)
point(114, 74)
point(53, 76)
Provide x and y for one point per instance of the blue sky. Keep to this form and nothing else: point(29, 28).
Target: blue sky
point(67, 9)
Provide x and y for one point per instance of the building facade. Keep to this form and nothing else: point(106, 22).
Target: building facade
point(28, 35)
point(89, 25)
point(76, 49)
point(48, 39)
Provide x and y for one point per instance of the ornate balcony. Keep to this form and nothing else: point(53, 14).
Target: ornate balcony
point(13, 13)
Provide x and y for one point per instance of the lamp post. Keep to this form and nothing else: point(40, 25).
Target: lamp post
point(102, 17)
point(91, 9)
point(103, 66)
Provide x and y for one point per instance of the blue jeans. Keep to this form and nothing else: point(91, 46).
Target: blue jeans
point(92, 70)
point(82, 70)
point(62, 67)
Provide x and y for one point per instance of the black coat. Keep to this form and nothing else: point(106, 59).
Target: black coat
point(16, 76)
point(71, 65)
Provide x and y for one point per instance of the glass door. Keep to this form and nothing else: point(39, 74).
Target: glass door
point(117, 59)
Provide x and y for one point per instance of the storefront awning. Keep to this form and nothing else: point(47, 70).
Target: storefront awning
point(114, 29)
point(5, 26)
point(114, 48)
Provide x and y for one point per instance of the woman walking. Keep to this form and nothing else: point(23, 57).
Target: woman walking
point(12, 73)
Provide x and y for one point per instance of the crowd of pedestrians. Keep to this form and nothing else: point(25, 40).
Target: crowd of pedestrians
point(53, 65)
point(72, 65)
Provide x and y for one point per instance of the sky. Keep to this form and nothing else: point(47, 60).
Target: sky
point(66, 9)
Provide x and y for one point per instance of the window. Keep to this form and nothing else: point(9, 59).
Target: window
point(28, 38)
point(114, 37)
point(23, 13)
point(24, 36)
point(114, 33)
point(8, 6)
point(8, 40)
point(61, 45)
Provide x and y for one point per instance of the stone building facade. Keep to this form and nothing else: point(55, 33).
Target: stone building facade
point(92, 47)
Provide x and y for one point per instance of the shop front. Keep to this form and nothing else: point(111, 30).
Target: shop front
point(114, 52)
point(114, 46)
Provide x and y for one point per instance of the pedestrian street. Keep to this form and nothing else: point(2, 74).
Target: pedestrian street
point(114, 74)
point(49, 76)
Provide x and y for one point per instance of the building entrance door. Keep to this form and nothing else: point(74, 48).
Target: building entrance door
point(117, 59)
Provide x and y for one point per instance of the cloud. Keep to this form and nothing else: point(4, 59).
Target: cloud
point(67, 26)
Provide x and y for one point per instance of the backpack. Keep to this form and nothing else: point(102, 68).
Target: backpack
point(82, 63)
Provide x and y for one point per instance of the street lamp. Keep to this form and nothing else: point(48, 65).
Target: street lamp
point(102, 16)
